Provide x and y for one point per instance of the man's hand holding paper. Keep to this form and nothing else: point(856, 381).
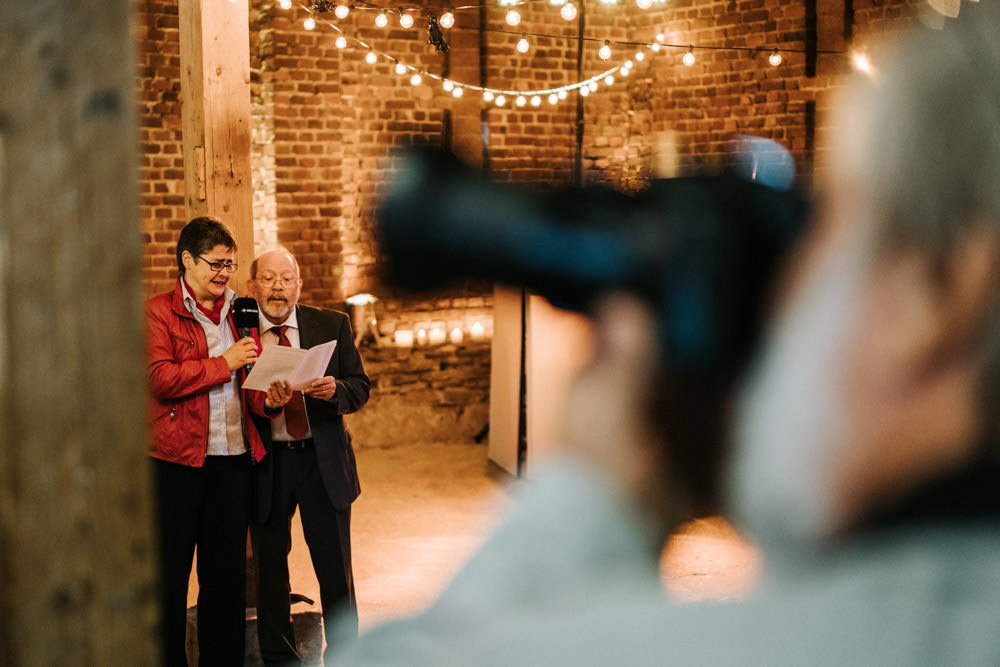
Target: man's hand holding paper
point(303, 369)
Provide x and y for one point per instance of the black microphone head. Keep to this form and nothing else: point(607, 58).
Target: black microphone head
point(245, 314)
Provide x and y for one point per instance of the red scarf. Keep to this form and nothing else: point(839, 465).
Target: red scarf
point(216, 313)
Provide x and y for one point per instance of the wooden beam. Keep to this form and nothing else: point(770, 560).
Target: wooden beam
point(215, 116)
point(77, 552)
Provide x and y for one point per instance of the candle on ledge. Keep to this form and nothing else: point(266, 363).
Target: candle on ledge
point(455, 336)
point(404, 337)
point(421, 336)
point(476, 331)
point(436, 336)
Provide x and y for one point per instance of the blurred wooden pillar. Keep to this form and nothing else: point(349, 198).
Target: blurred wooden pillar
point(77, 583)
point(215, 87)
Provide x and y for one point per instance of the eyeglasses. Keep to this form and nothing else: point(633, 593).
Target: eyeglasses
point(284, 281)
point(219, 266)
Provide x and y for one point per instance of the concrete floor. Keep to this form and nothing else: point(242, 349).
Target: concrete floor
point(424, 509)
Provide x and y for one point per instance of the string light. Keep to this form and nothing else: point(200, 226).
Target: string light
point(513, 17)
point(523, 97)
point(341, 11)
point(643, 4)
point(568, 11)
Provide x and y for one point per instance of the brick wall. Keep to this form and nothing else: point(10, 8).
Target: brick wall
point(325, 120)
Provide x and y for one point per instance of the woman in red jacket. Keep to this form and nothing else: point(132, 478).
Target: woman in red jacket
point(203, 444)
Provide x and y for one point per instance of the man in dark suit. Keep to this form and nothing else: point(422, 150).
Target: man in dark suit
point(310, 463)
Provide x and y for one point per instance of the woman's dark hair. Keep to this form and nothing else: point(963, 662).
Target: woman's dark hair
point(201, 235)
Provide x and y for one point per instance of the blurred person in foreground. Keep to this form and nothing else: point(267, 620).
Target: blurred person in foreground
point(866, 461)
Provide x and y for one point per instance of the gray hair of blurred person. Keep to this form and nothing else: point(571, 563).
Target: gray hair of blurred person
point(931, 166)
point(201, 235)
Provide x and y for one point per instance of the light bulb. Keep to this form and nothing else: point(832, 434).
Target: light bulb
point(688, 58)
point(309, 23)
point(285, 4)
point(341, 42)
point(487, 96)
point(513, 17)
point(568, 11)
point(341, 11)
point(536, 101)
point(371, 58)
point(400, 69)
point(584, 91)
point(381, 20)
point(644, 4)
point(458, 92)
point(562, 94)
point(406, 20)
point(640, 56)
point(655, 47)
point(624, 71)
point(593, 86)
point(774, 58)
point(609, 80)
point(520, 101)
point(523, 45)
point(415, 80)
point(553, 98)
point(448, 85)
point(501, 100)
point(605, 51)
point(627, 64)
point(660, 37)
point(447, 19)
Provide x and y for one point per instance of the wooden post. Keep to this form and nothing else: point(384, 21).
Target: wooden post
point(215, 115)
point(77, 553)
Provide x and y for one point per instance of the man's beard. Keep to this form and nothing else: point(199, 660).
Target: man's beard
point(276, 309)
point(791, 425)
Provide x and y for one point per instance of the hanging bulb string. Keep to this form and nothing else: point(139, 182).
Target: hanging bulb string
point(589, 84)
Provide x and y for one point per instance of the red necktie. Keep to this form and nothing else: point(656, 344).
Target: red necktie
point(296, 422)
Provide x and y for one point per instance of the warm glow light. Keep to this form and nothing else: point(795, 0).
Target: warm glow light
point(501, 100)
point(341, 11)
point(285, 4)
point(309, 23)
point(513, 17)
point(520, 101)
point(862, 63)
point(640, 56)
point(553, 98)
point(609, 80)
point(655, 46)
point(381, 20)
point(448, 85)
point(457, 92)
point(523, 45)
point(400, 69)
point(362, 299)
point(660, 37)
point(371, 58)
point(593, 86)
point(774, 58)
point(536, 101)
point(584, 91)
point(624, 71)
point(644, 4)
point(568, 11)
point(688, 58)
point(487, 96)
point(563, 94)
point(627, 64)
point(341, 42)
point(447, 19)
point(406, 20)
point(415, 80)
point(605, 51)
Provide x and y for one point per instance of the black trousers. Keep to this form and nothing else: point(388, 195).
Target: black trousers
point(207, 508)
point(297, 483)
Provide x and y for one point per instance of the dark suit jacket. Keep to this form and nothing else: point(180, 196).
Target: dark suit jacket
point(331, 439)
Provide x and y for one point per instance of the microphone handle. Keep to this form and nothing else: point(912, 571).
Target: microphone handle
point(246, 332)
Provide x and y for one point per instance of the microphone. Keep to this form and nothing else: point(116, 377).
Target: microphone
point(246, 317)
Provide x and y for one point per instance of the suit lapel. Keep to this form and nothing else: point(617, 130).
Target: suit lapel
point(307, 329)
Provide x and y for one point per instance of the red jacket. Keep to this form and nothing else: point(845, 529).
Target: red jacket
point(180, 375)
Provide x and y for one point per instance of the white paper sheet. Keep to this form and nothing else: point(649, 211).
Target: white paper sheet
point(298, 367)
